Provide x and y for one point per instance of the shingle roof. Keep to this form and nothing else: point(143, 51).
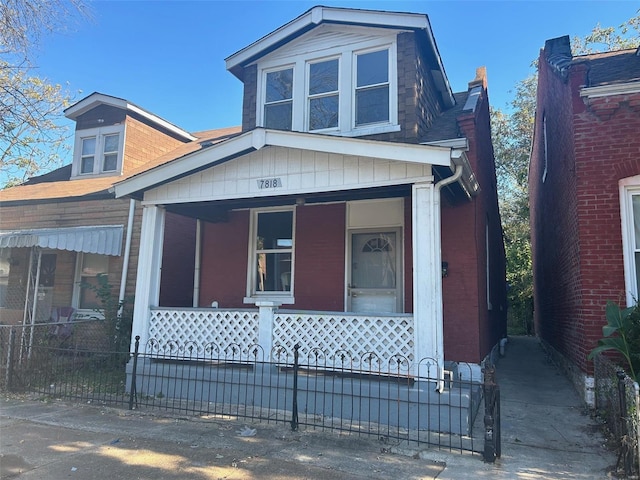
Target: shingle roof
point(445, 127)
point(57, 184)
point(610, 68)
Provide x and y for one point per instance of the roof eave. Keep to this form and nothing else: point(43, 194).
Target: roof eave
point(260, 137)
point(96, 99)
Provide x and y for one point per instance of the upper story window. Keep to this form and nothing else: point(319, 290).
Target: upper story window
point(278, 99)
point(98, 151)
point(350, 90)
point(323, 105)
point(372, 87)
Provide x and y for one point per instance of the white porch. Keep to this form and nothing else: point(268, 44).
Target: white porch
point(375, 344)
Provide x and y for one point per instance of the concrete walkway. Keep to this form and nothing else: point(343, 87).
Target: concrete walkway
point(545, 435)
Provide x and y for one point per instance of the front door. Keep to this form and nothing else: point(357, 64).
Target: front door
point(375, 272)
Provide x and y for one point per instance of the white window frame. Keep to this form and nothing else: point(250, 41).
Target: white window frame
point(354, 88)
point(75, 300)
point(254, 296)
point(263, 90)
point(98, 162)
point(628, 187)
point(346, 86)
point(309, 97)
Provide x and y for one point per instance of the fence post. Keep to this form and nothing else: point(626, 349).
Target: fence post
point(10, 353)
point(132, 390)
point(294, 407)
point(626, 451)
point(492, 444)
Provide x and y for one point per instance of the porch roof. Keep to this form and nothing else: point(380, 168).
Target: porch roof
point(258, 138)
point(101, 239)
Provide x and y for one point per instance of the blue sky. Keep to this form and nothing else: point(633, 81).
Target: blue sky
point(168, 56)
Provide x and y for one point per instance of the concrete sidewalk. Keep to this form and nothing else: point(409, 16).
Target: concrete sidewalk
point(545, 435)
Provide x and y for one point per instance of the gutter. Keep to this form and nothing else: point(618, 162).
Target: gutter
point(127, 254)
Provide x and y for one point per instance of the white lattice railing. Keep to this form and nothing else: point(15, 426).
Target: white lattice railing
point(326, 339)
point(346, 338)
point(204, 327)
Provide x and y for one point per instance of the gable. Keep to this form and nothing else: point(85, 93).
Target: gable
point(277, 171)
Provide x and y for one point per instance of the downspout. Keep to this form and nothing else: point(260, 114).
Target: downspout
point(127, 254)
point(437, 255)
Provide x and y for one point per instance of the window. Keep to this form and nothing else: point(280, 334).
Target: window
point(323, 95)
point(351, 90)
point(98, 150)
point(372, 87)
point(271, 263)
point(90, 267)
point(278, 99)
point(5, 267)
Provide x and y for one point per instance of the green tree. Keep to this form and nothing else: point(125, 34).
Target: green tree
point(32, 128)
point(512, 134)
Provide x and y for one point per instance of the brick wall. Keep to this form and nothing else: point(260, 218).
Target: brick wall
point(72, 214)
point(145, 143)
point(575, 213)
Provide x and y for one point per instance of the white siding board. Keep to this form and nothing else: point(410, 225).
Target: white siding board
point(299, 171)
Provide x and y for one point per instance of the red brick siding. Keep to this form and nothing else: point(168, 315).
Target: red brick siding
point(575, 214)
point(178, 261)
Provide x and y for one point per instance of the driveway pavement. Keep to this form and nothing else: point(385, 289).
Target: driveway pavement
point(546, 434)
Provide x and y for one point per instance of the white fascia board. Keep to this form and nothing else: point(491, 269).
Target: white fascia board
point(95, 99)
point(320, 14)
point(402, 152)
point(608, 90)
point(189, 163)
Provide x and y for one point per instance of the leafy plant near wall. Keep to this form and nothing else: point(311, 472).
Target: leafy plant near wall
point(118, 314)
point(622, 335)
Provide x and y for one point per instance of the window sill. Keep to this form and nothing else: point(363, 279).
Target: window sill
point(369, 130)
point(276, 299)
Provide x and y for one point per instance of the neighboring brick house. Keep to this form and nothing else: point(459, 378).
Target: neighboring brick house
point(584, 183)
point(69, 226)
point(356, 210)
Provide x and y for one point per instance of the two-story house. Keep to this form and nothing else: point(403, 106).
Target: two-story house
point(584, 183)
point(59, 231)
point(356, 211)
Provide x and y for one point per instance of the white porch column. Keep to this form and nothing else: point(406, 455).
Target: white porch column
point(427, 276)
point(265, 328)
point(148, 276)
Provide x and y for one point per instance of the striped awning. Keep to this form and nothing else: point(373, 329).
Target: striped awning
point(101, 239)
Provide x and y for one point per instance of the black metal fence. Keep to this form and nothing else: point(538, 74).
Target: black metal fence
point(618, 402)
point(364, 396)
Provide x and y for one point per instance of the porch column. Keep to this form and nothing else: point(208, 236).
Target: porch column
point(148, 276)
point(427, 277)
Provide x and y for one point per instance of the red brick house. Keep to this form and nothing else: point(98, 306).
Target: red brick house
point(585, 197)
point(356, 210)
point(65, 227)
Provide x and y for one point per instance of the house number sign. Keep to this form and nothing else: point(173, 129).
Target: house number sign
point(269, 183)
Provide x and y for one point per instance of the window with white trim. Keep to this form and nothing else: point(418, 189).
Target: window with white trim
point(350, 90)
point(630, 212)
point(90, 266)
point(98, 151)
point(372, 88)
point(278, 99)
point(271, 254)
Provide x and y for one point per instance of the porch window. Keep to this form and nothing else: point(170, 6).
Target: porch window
point(90, 267)
point(5, 266)
point(272, 256)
